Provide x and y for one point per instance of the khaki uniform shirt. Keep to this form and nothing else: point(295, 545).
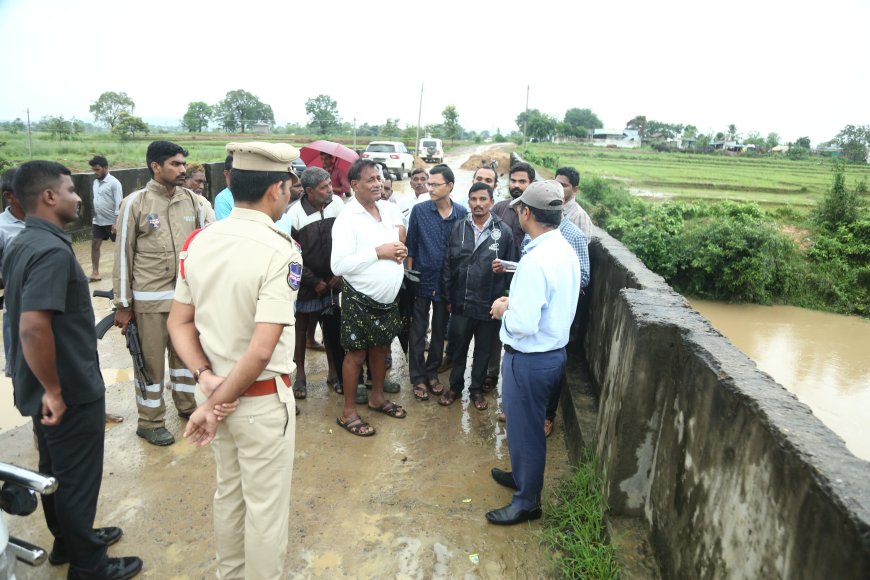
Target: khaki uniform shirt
point(238, 272)
point(151, 229)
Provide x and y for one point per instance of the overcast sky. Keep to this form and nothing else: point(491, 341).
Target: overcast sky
point(792, 67)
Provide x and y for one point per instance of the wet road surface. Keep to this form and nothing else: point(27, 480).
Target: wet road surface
point(406, 503)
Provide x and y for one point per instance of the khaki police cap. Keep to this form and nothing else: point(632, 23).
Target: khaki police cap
point(258, 156)
point(542, 195)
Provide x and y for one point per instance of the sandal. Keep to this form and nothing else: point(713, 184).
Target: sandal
point(435, 387)
point(548, 426)
point(392, 409)
point(300, 390)
point(420, 392)
point(448, 398)
point(335, 384)
point(356, 426)
point(479, 401)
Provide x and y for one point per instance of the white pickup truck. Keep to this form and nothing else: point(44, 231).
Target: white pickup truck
point(393, 154)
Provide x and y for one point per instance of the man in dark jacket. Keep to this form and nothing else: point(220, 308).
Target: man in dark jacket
point(471, 287)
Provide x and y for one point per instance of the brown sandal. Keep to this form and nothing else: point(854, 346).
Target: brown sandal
point(356, 426)
point(479, 402)
point(448, 398)
point(420, 392)
point(392, 409)
point(435, 387)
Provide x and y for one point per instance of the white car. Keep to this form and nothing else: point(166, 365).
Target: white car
point(393, 154)
point(431, 150)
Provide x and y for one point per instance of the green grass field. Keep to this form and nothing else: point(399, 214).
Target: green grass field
point(770, 181)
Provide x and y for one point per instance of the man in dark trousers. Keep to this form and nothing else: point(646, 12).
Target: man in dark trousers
point(471, 286)
point(535, 321)
point(55, 370)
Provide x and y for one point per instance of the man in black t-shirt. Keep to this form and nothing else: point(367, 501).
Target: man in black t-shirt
point(55, 370)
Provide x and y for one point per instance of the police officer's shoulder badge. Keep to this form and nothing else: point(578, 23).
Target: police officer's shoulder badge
point(294, 276)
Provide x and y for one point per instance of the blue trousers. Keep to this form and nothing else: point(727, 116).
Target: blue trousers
point(528, 380)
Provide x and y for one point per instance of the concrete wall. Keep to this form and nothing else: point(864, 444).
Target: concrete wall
point(734, 477)
point(131, 180)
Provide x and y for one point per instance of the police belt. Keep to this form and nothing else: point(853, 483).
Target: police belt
point(265, 387)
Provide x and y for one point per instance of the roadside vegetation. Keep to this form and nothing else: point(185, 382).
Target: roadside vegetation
point(574, 531)
point(817, 256)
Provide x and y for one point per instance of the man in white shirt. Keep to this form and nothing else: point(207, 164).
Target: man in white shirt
point(368, 254)
point(107, 199)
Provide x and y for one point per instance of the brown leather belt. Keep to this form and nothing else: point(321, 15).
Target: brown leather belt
point(265, 387)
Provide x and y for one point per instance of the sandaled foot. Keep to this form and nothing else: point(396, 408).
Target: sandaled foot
point(479, 401)
point(435, 387)
point(335, 385)
point(420, 392)
point(448, 398)
point(356, 426)
point(94, 278)
point(549, 424)
point(300, 389)
point(392, 409)
point(489, 383)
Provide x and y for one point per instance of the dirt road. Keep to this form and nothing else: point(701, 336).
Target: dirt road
point(407, 503)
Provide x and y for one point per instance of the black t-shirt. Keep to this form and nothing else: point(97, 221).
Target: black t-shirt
point(42, 273)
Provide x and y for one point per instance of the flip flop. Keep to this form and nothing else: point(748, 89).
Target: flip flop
point(392, 409)
point(355, 426)
point(435, 387)
point(420, 392)
point(300, 390)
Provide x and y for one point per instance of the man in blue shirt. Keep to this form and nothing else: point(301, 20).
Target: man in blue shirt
point(428, 230)
point(224, 202)
point(536, 320)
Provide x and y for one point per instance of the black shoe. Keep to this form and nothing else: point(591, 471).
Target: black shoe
point(509, 515)
point(122, 568)
point(159, 436)
point(502, 477)
point(109, 536)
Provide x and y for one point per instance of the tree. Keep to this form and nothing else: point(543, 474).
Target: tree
point(110, 105)
point(16, 125)
point(855, 141)
point(839, 207)
point(451, 122)
point(579, 122)
point(323, 112)
point(239, 109)
point(197, 116)
point(638, 124)
point(772, 140)
point(541, 126)
point(690, 132)
point(128, 125)
point(732, 132)
point(755, 138)
point(391, 128)
point(61, 128)
point(803, 142)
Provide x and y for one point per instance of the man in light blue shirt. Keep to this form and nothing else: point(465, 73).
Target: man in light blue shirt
point(224, 202)
point(535, 323)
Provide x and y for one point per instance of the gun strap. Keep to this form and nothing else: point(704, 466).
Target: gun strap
point(183, 254)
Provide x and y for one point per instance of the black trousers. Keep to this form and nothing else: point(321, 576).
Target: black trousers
point(484, 333)
point(425, 368)
point(72, 452)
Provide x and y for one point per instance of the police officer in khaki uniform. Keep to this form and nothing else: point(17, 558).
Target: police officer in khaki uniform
point(152, 225)
point(243, 356)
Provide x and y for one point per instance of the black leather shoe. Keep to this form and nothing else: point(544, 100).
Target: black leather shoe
point(509, 515)
point(109, 536)
point(502, 477)
point(123, 568)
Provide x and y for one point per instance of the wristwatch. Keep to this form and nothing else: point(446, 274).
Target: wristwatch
point(200, 370)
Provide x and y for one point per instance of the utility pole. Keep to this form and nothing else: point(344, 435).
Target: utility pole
point(419, 114)
point(29, 136)
point(526, 119)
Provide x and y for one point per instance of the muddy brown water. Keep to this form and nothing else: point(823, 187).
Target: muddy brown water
point(406, 503)
point(822, 358)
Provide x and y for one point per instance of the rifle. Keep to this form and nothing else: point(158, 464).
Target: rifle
point(134, 345)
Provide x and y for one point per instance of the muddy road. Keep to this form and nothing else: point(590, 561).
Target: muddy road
point(406, 503)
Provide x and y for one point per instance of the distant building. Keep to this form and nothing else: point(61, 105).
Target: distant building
point(260, 127)
point(616, 138)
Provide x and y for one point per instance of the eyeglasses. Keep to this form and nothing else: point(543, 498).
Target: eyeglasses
point(431, 185)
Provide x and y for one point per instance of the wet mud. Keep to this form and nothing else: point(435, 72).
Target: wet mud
point(406, 503)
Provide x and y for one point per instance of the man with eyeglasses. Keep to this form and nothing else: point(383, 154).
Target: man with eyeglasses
point(428, 231)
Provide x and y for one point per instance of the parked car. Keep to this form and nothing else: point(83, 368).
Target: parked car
point(431, 150)
point(394, 154)
point(298, 166)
